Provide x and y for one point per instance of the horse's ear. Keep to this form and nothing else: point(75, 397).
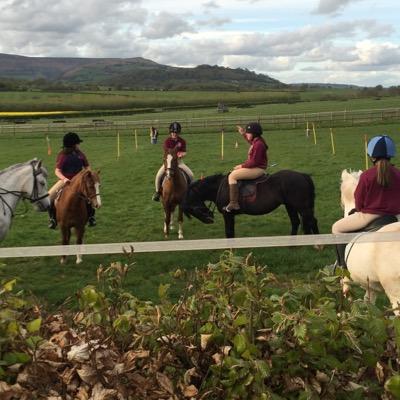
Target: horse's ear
point(98, 172)
point(39, 164)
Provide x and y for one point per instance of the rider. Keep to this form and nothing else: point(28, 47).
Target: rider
point(377, 192)
point(70, 161)
point(253, 167)
point(174, 141)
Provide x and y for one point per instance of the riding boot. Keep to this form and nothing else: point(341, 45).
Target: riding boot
point(91, 214)
point(52, 216)
point(340, 254)
point(233, 199)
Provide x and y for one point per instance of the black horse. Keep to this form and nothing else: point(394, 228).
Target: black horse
point(261, 196)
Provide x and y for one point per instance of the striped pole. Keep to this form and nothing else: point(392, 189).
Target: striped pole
point(366, 151)
point(332, 142)
point(222, 144)
point(136, 143)
point(118, 145)
point(48, 146)
point(314, 133)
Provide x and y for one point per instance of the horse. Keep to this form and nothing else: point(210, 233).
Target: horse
point(72, 203)
point(173, 190)
point(22, 181)
point(293, 189)
point(375, 266)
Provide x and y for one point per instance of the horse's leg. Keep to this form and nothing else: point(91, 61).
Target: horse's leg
point(167, 221)
point(294, 219)
point(79, 240)
point(66, 236)
point(171, 224)
point(229, 220)
point(180, 223)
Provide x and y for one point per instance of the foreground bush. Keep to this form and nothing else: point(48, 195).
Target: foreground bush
point(236, 333)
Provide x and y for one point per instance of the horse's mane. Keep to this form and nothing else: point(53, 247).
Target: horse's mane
point(206, 180)
point(349, 181)
point(19, 165)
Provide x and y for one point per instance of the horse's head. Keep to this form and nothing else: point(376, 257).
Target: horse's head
point(36, 190)
point(170, 162)
point(349, 182)
point(194, 203)
point(90, 187)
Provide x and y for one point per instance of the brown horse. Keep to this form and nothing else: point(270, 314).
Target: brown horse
point(173, 191)
point(72, 206)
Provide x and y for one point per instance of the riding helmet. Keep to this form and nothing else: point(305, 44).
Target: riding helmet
point(381, 146)
point(70, 139)
point(175, 127)
point(254, 128)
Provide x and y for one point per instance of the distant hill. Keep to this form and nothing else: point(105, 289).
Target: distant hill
point(132, 73)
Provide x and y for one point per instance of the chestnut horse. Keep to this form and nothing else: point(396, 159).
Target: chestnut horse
point(72, 204)
point(173, 192)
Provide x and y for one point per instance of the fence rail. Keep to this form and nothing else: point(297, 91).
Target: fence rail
point(270, 122)
point(201, 244)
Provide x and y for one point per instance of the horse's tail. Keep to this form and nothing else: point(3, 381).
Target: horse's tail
point(311, 189)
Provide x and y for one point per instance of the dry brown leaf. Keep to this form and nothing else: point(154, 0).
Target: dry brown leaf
point(380, 372)
point(87, 374)
point(100, 393)
point(61, 339)
point(293, 384)
point(322, 377)
point(79, 353)
point(82, 394)
point(217, 357)
point(165, 382)
point(187, 377)
point(204, 339)
point(190, 391)
point(8, 392)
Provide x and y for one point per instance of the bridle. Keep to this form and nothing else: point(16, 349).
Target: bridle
point(33, 198)
point(88, 198)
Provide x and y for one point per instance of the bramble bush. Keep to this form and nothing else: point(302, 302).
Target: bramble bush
point(235, 333)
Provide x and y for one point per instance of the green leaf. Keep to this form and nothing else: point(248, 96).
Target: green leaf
point(34, 325)
point(240, 343)
point(8, 286)
point(392, 385)
point(162, 290)
point(16, 358)
point(240, 320)
point(33, 341)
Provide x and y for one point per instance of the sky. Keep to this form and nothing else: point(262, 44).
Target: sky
point(294, 41)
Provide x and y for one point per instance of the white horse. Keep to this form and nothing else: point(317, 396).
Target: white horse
point(374, 265)
point(22, 181)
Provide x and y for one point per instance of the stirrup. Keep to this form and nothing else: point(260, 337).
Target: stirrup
point(52, 224)
point(230, 208)
point(156, 196)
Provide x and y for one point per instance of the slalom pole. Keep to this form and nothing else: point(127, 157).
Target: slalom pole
point(118, 145)
point(366, 151)
point(236, 144)
point(136, 143)
point(222, 144)
point(332, 142)
point(48, 146)
point(314, 133)
point(307, 130)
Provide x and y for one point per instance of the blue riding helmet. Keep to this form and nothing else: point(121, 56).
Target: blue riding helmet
point(381, 146)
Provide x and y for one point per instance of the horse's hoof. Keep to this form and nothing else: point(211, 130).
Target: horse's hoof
point(319, 247)
point(78, 260)
point(180, 236)
point(62, 261)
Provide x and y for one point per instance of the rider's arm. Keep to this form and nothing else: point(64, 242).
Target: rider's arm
point(181, 154)
point(60, 175)
point(242, 132)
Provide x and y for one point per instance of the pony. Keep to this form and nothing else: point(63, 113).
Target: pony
point(293, 189)
point(22, 181)
point(72, 203)
point(375, 266)
point(173, 190)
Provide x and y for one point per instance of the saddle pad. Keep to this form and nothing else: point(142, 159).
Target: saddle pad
point(248, 188)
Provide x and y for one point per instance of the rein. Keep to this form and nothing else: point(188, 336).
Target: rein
point(33, 198)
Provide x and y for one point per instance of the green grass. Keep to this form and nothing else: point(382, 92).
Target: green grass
point(128, 214)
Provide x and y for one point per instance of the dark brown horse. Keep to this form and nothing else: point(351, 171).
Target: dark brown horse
point(173, 191)
point(72, 206)
point(293, 189)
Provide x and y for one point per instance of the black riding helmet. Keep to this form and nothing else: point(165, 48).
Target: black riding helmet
point(175, 127)
point(254, 128)
point(70, 139)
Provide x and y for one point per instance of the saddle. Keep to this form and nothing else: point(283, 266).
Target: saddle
point(248, 188)
point(373, 226)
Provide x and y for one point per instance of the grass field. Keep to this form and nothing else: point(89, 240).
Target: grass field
point(128, 214)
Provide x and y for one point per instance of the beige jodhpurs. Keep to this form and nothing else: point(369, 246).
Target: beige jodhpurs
point(54, 190)
point(181, 164)
point(353, 222)
point(244, 173)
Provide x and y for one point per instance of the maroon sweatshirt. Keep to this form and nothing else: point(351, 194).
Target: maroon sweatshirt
point(373, 198)
point(179, 144)
point(257, 156)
